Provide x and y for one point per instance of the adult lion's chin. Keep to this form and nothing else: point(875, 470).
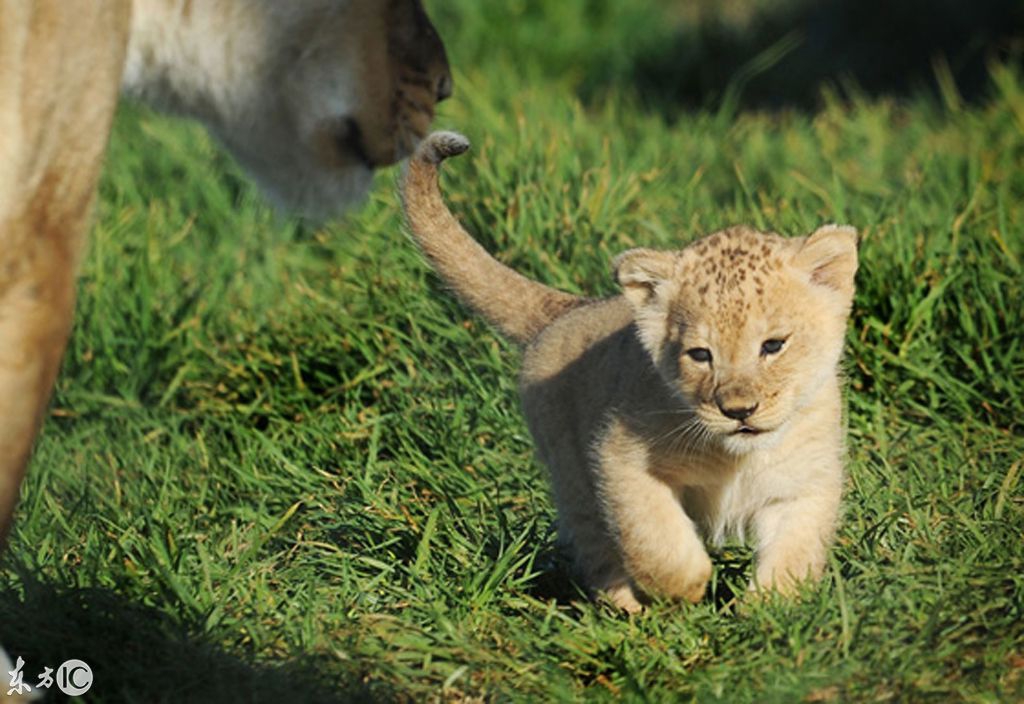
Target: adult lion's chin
point(302, 180)
point(318, 196)
point(326, 173)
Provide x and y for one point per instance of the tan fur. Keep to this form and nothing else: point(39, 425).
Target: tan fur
point(653, 450)
point(310, 95)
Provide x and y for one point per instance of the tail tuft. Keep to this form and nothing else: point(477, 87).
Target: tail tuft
point(438, 146)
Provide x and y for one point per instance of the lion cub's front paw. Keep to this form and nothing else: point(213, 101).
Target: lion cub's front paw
point(694, 583)
point(685, 578)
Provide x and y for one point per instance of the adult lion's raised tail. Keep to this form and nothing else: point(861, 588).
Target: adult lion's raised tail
point(516, 305)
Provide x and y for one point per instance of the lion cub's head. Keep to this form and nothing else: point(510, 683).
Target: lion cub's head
point(745, 326)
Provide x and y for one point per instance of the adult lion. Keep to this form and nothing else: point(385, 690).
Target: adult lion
point(309, 95)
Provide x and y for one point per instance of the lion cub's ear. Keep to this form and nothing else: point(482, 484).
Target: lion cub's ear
point(641, 272)
point(829, 254)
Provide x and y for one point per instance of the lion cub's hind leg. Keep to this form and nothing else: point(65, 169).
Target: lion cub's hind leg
point(582, 530)
point(600, 566)
point(596, 557)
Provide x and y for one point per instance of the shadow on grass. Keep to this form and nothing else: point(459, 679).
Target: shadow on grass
point(138, 653)
point(554, 579)
point(733, 567)
point(779, 55)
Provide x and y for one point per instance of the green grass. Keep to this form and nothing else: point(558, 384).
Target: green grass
point(282, 464)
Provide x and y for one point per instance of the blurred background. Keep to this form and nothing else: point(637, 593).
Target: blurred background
point(760, 53)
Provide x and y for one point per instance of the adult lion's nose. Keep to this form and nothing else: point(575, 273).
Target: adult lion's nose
point(445, 84)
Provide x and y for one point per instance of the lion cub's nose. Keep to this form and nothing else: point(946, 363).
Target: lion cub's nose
point(737, 413)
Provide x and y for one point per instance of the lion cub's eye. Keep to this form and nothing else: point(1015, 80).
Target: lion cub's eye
point(699, 354)
point(771, 347)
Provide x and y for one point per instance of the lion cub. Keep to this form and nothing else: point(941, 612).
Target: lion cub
point(705, 401)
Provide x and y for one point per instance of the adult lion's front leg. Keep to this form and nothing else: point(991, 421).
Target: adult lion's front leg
point(58, 103)
point(311, 96)
point(36, 301)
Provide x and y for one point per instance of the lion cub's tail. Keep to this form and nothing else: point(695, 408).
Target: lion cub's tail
point(519, 307)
